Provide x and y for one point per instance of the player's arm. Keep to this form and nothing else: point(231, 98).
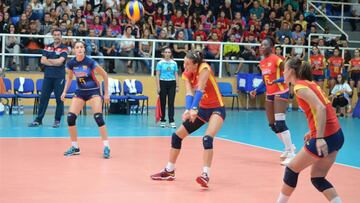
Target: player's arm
point(203, 78)
point(70, 76)
point(99, 70)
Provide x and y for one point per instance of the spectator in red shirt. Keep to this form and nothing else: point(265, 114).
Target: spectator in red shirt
point(251, 31)
point(239, 19)
point(178, 20)
point(212, 51)
point(159, 18)
point(180, 49)
point(149, 7)
point(225, 22)
point(201, 32)
point(266, 33)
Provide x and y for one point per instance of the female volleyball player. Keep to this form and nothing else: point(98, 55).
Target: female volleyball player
point(203, 104)
point(323, 141)
point(354, 70)
point(277, 93)
point(318, 64)
point(88, 90)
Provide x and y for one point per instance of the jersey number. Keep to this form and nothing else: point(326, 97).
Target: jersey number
point(82, 81)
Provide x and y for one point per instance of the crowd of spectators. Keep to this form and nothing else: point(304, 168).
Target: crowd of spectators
point(287, 21)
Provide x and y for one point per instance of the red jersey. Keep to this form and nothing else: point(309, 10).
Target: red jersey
point(212, 97)
point(177, 22)
point(335, 65)
point(224, 23)
point(317, 61)
point(332, 124)
point(270, 69)
point(355, 63)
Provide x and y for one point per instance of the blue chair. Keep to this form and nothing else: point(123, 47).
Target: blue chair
point(248, 82)
point(28, 92)
point(8, 88)
point(226, 91)
point(138, 95)
point(115, 96)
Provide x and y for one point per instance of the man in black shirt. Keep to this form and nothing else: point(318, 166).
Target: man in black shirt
point(54, 59)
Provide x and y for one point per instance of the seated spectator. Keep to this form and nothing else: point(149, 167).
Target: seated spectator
point(279, 52)
point(228, 10)
point(181, 5)
point(115, 27)
point(301, 20)
point(178, 21)
point(159, 18)
point(208, 21)
point(288, 50)
point(78, 19)
point(282, 33)
point(168, 8)
point(252, 31)
point(298, 34)
point(180, 49)
point(89, 14)
point(212, 51)
point(107, 16)
point(218, 31)
point(257, 10)
point(193, 23)
point(23, 23)
point(298, 52)
point(108, 48)
point(82, 30)
point(63, 7)
point(149, 7)
point(127, 46)
point(46, 24)
point(225, 22)
point(231, 52)
point(93, 48)
point(13, 46)
point(273, 22)
point(198, 47)
point(201, 32)
point(250, 52)
point(235, 30)
point(197, 7)
point(97, 26)
point(145, 49)
point(37, 9)
point(159, 46)
point(340, 95)
point(48, 5)
point(171, 31)
point(266, 33)
point(239, 20)
point(32, 45)
point(69, 42)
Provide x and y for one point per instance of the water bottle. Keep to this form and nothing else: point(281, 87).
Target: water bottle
point(136, 109)
point(21, 110)
point(15, 110)
point(7, 109)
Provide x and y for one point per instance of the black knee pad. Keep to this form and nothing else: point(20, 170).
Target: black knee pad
point(208, 142)
point(71, 119)
point(321, 184)
point(281, 126)
point(273, 128)
point(176, 141)
point(290, 177)
point(99, 119)
point(192, 127)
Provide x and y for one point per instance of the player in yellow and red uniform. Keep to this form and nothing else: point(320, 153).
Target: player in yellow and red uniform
point(318, 64)
point(203, 104)
point(323, 141)
point(277, 94)
point(354, 70)
point(336, 64)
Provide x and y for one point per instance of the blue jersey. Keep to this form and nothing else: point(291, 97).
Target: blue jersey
point(50, 52)
point(167, 69)
point(84, 72)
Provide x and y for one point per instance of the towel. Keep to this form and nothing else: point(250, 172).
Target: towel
point(22, 81)
point(131, 85)
point(113, 86)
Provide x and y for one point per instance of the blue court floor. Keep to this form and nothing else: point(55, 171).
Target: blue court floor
point(249, 127)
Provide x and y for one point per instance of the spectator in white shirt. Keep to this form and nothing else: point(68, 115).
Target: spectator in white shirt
point(340, 95)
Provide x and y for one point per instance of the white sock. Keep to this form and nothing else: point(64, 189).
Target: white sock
point(106, 143)
point(336, 200)
point(282, 198)
point(286, 137)
point(206, 170)
point(170, 167)
point(74, 144)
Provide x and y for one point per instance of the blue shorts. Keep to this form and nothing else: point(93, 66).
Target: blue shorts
point(205, 114)
point(87, 94)
point(334, 143)
point(283, 96)
point(318, 78)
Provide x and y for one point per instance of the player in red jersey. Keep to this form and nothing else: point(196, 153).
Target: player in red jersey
point(318, 64)
point(354, 70)
point(203, 104)
point(336, 64)
point(277, 94)
point(323, 141)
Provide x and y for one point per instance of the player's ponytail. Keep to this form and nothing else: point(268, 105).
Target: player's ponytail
point(303, 70)
point(195, 56)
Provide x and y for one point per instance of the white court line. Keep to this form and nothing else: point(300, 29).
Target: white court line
point(165, 136)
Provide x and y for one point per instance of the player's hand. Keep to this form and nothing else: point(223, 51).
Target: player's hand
point(307, 137)
point(62, 97)
point(107, 99)
point(158, 90)
point(193, 114)
point(185, 115)
point(253, 94)
point(321, 147)
point(177, 88)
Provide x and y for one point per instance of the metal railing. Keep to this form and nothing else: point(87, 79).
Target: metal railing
point(341, 17)
point(220, 61)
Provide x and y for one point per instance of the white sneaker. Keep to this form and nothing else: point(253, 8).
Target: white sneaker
point(162, 124)
point(172, 125)
point(287, 159)
point(287, 153)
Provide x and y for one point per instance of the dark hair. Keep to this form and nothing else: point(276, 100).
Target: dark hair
point(302, 68)
point(270, 40)
point(342, 79)
point(195, 56)
point(56, 30)
point(79, 41)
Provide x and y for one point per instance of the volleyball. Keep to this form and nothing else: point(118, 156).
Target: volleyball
point(134, 10)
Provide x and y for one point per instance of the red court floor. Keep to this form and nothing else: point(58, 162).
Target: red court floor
point(35, 171)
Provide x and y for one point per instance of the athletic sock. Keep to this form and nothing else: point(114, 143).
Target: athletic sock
point(106, 143)
point(336, 200)
point(170, 167)
point(75, 144)
point(282, 198)
point(206, 170)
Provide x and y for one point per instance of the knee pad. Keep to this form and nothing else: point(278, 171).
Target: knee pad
point(71, 119)
point(192, 127)
point(208, 142)
point(99, 119)
point(280, 122)
point(321, 184)
point(273, 128)
point(176, 141)
point(290, 177)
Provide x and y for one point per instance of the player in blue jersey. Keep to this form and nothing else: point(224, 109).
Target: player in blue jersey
point(88, 90)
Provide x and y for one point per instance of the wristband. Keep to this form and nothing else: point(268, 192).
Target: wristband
point(188, 101)
point(197, 97)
